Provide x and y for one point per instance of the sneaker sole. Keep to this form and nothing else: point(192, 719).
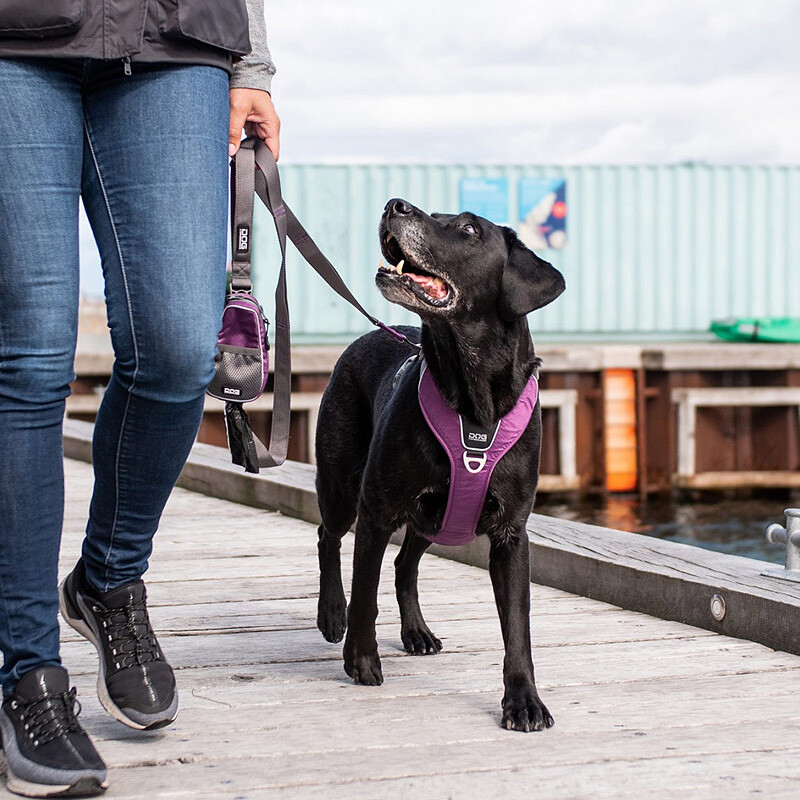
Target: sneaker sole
point(83, 787)
point(102, 691)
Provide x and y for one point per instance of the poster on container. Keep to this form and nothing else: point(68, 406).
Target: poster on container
point(486, 197)
point(543, 213)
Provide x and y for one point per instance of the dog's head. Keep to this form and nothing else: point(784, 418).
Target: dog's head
point(448, 264)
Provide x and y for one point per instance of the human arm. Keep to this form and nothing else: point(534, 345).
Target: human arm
point(251, 104)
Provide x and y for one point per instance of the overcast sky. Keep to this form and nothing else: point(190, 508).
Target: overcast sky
point(578, 81)
point(522, 81)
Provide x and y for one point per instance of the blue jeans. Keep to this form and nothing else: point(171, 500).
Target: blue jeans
point(148, 154)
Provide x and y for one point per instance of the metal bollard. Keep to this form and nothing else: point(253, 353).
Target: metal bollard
point(790, 537)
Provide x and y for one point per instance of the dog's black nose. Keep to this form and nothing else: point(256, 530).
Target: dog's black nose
point(398, 206)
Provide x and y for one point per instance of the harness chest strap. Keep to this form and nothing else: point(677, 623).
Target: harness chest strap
point(473, 453)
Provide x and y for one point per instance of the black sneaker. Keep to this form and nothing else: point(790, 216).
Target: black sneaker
point(135, 683)
point(46, 751)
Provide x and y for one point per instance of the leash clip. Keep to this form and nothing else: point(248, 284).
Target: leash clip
point(474, 462)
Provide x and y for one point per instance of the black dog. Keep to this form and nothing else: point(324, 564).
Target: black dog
point(472, 283)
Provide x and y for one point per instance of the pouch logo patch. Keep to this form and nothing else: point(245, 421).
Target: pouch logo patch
point(232, 392)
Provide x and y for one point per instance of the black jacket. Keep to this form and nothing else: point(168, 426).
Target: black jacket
point(211, 32)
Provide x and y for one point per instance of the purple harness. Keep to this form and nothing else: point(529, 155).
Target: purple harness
point(473, 453)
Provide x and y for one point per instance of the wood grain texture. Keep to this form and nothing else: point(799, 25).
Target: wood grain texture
point(644, 707)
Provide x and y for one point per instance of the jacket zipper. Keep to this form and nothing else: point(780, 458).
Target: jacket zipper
point(126, 65)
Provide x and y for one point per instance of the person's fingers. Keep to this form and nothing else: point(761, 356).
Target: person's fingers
point(238, 116)
point(269, 132)
point(253, 109)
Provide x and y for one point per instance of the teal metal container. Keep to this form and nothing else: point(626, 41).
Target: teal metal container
point(652, 252)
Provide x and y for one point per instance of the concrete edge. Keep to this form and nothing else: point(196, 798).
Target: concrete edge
point(663, 579)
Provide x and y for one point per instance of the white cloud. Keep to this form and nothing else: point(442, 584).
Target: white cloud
point(591, 80)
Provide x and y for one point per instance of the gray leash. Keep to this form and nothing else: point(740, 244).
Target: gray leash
point(254, 172)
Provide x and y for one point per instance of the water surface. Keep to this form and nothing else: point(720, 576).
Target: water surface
point(734, 526)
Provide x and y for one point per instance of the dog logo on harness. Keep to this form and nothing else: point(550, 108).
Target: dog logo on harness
point(232, 392)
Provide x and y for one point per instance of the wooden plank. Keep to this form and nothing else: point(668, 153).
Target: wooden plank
point(720, 356)
point(476, 693)
point(464, 723)
point(659, 761)
point(559, 483)
point(766, 479)
point(739, 396)
point(95, 357)
point(687, 439)
point(562, 665)
point(300, 638)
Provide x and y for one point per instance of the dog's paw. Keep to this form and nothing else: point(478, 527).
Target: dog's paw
point(332, 619)
point(363, 667)
point(523, 710)
point(420, 641)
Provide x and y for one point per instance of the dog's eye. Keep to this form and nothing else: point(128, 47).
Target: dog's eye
point(470, 229)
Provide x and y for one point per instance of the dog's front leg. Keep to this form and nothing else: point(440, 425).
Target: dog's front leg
point(509, 566)
point(361, 660)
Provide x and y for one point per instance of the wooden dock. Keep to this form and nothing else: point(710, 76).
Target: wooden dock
point(644, 708)
point(709, 415)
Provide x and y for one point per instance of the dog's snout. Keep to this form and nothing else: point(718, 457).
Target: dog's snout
point(399, 207)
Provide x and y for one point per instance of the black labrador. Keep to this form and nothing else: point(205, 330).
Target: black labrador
point(472, 283)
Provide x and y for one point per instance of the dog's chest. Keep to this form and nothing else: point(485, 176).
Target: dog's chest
point(439, 473)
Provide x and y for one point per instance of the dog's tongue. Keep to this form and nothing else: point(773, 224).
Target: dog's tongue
point(434, 287)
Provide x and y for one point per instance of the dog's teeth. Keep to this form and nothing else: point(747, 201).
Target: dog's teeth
point(399, 268)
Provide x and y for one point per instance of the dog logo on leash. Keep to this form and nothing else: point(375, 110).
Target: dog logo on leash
point(243, 239)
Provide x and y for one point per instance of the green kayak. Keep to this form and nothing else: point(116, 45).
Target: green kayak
point(758, 329)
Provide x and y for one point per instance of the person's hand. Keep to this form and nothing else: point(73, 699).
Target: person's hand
point(252, 110)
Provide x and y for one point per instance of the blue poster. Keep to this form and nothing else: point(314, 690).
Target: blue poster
point(486, 197)
point(543, 213)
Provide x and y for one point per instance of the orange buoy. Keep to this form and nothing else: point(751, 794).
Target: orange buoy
point(619, 412)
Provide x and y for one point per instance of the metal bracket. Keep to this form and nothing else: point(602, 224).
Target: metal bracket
point(790, 537)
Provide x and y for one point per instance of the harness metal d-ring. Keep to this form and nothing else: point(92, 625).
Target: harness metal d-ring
point(474, 462)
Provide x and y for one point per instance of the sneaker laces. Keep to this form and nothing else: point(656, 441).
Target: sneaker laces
point(49, 717)
point(130, 634)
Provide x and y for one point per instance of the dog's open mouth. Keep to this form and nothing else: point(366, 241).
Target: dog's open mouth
point(430, 288)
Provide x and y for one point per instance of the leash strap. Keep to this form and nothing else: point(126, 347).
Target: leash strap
point(301, 239)
point(254, 172)
point(244, 186)
point(242, 201)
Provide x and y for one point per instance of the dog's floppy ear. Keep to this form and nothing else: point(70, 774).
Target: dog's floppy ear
point(529, 282)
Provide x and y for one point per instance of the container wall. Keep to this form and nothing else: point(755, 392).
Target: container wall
point(652, 251)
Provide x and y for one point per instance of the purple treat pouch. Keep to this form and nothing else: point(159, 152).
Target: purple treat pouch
point(242, 360)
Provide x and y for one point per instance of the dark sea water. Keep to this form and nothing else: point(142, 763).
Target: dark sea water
point(734, 526)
